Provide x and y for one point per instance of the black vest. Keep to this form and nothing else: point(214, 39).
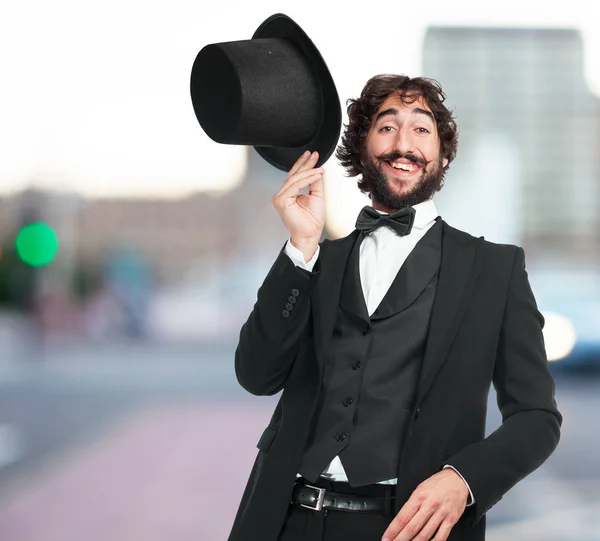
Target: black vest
point(372, 369)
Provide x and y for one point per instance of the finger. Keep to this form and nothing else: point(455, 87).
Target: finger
point(316, 188)
point(412, 529)
point(310, 162)
point(295, 188)
point(299, 176)
point(307, 161)
point(444, 531)
point(288, 197)
point(402, 519)
point(430, 527)
point(299, 162)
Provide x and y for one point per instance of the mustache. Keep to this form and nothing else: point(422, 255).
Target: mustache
point(393, 156)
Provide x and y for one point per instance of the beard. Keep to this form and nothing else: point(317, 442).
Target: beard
point(382, 191)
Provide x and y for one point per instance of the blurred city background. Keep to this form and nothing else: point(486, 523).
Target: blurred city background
point(132, 247)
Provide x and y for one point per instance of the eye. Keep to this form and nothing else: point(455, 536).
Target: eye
point(422, 130)
point(385, 129)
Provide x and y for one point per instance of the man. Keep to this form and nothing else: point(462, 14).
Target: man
point(385, 344)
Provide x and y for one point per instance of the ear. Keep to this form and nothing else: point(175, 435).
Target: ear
point(444, 162)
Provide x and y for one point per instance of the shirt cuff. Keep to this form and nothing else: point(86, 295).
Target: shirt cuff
point(471, 499)
point(297, 257)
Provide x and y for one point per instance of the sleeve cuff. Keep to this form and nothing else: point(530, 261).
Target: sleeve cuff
point(298, 258)
point(471, 499)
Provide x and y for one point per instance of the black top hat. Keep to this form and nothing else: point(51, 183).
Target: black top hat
point(273, 92)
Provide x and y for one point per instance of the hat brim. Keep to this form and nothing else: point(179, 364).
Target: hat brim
point(326, 137)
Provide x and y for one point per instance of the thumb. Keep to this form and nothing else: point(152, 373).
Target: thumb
point(316, 188)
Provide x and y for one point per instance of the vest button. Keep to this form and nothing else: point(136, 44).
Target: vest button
point(348, 401)
point(340, 437)
point(367, 331)
point(356, 365)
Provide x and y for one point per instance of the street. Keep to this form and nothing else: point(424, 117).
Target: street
point(156, 441)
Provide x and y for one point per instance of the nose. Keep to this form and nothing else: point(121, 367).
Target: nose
point(403, 142)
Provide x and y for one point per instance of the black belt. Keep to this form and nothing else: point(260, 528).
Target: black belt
point(318, 498)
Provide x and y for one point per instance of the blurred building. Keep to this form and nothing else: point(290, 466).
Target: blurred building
point(528, 165)
point(202, 231)
point(208, 229)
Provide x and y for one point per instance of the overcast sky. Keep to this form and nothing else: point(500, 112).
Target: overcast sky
point(95, 97)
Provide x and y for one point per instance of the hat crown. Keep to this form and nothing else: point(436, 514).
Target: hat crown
point(256, 92)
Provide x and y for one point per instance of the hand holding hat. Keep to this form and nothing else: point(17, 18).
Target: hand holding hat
point(303, 214)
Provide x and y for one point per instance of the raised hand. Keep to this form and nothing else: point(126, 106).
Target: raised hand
point(303, 214)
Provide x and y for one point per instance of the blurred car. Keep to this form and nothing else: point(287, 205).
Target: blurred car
point(570, 303)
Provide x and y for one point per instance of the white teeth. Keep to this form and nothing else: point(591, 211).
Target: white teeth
point(403, 166)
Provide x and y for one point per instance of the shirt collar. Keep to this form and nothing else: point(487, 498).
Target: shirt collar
point(425, 213)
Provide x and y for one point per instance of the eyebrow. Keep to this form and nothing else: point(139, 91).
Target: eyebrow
point(392, 111)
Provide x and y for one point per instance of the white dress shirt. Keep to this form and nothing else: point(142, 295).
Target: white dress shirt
point(382, 253)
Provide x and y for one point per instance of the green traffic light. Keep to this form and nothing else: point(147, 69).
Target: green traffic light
point(36, 244)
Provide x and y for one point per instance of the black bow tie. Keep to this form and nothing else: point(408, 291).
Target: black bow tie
point(401, 222)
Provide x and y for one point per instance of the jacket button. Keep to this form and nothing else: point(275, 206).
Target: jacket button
point(348, 401)
point(367, 331)
point(340, 437)
point(356, 365)
point(292, 299)
point(285, 313)
point(289, 306)
point(295, 292)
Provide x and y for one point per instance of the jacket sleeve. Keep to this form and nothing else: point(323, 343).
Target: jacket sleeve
point(269, 339)
point(531, 422)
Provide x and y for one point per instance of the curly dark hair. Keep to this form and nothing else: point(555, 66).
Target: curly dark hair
point(375, 92)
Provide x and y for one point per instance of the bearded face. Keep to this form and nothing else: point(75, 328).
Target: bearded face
point(402, 161)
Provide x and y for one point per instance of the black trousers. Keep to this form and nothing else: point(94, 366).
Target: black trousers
point(303, 524)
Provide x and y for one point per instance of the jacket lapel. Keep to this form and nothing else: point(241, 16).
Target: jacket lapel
point(461, 262)
point(325, 297)
point(352, 298)
point(417, 271)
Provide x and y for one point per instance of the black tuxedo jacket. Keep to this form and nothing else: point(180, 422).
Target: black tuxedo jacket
point(485, 328)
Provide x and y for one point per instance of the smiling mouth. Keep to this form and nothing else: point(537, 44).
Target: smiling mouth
point(403, 166)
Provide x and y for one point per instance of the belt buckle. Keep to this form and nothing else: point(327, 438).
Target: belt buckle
point(320, 499)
